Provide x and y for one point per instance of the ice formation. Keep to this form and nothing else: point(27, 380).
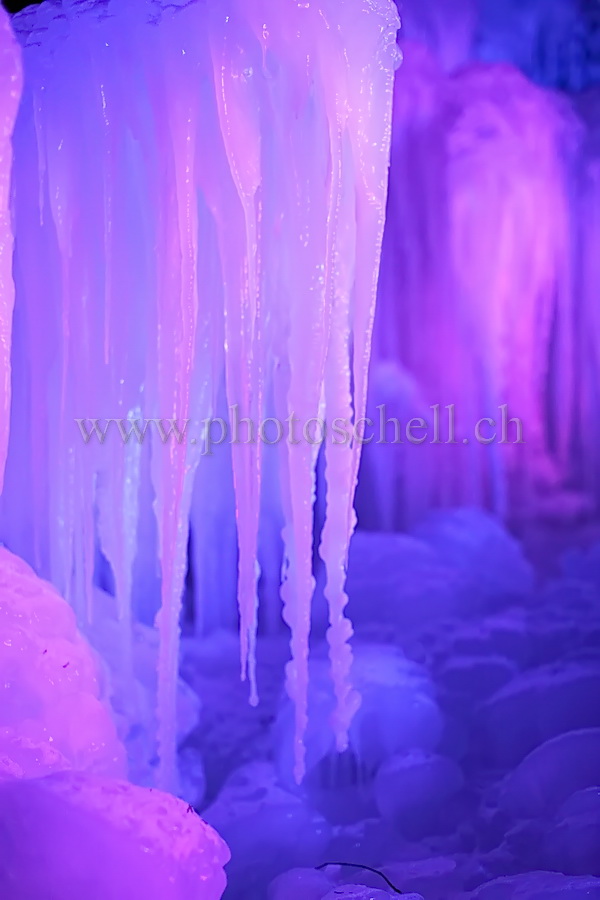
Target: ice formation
point(69, 825)
point(498, 315)
point(53, 710)
point(10, 91)
point(200, 202)
point(71, 836)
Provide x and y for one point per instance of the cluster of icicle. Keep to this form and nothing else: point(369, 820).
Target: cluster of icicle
point(200, 196)
point(488, 293)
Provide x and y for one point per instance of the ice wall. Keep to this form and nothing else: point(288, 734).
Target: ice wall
point(200, 202)
point(485, 285)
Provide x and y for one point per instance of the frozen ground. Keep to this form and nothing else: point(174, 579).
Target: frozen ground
point(474, 766)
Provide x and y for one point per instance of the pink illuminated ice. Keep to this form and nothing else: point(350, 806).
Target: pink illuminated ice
point(52, 710)
point(73, 835)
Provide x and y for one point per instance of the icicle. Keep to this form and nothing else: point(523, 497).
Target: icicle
point(236, 69)
point(10, 92)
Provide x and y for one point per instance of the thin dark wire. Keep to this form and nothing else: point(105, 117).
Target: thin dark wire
point(367, 869)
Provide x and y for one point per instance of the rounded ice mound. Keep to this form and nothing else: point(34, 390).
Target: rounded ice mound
point(537, 705)
point(552, 773)
point(74, 835)
point(572, 836)
point(412, 789)
point(398, 580)
point(267, 829)
point(398, 713)
point(300, 884)
point(474, 543)
point(52, 710)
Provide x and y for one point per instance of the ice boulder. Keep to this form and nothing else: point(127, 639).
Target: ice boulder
point(553, 772)
point(268, 830)
point(300, 884)
point(412, 789)
point(396, 579)
point(572, 837)
point(53, 713)
point(537, 705)
point(74, 836)
point(477, 545)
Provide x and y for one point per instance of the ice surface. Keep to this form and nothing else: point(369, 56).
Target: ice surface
point(53, 709)
point(73, 835)
point(553, 772)
point(536, 706)
point(250, 148)
point(540, 886)
point(10, 91)
point(412, 789)
point(300, 884)
point(267, 829)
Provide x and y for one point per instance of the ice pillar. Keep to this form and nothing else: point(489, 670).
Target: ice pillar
point(10, 92)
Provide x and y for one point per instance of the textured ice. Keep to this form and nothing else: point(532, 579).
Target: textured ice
point(399, 580)
point(477, 545)
point(10, 91)
point(53, 709)
point(267, 829)
point(73, 835)
point(552, 772)
point(572, 836)
point(536, 706)
point(133, 693)
point(299, 884)
point(251, 145)
point(539, 886)
point(398, 712)
point(411, 790)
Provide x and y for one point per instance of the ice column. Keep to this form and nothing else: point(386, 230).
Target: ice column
point(10, 92)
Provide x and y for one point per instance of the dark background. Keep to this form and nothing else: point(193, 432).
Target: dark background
point(16, 5)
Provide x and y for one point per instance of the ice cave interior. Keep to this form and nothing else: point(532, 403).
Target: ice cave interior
point(300, 450)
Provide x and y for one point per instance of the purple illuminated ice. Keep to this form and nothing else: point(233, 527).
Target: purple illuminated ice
point(10, 92)
point(53, 714)
point(201, 193)
point(71, 835)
